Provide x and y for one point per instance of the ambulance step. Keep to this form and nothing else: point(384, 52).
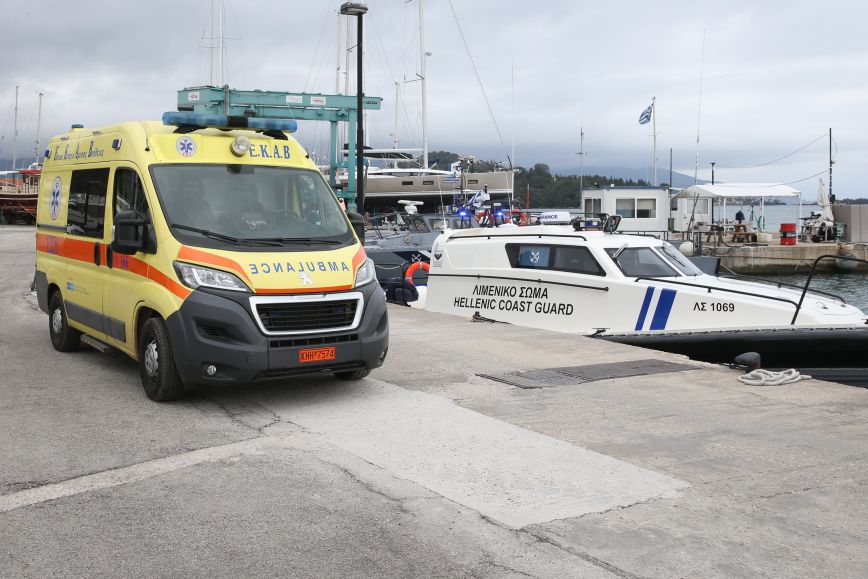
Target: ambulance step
point(95, 344)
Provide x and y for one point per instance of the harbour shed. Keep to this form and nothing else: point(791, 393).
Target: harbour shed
point(642, 209)
point(718, 195)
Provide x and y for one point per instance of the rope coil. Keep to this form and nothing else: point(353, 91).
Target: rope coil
point(762, 377)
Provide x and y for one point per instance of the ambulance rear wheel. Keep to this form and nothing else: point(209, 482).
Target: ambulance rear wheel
point(63, 338)
point(353, 374)
point(157, 365)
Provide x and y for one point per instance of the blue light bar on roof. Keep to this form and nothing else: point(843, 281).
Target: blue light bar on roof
point(188, 119)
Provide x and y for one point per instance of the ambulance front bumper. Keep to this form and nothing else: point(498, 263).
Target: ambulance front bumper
point(218, 338)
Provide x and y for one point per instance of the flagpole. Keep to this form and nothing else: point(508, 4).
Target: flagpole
point(654, 130)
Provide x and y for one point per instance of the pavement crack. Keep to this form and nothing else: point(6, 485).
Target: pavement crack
point(373, 489)
point(16, 486)
point(789, 492)
point(491, 563)
point(545, 538)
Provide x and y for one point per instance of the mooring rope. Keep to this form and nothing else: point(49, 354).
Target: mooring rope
point(762, 377)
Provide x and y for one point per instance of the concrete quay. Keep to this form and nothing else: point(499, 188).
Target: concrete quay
point(783, 259)
point(424, 469)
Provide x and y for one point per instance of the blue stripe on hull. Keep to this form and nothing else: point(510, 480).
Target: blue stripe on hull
point(649, 293)
point(664, 308)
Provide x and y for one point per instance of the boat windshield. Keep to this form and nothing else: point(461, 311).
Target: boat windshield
point(679, 261)
point(641, 262)
point(248, 206)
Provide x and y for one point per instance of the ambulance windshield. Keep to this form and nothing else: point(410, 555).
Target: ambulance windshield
point(214, 205)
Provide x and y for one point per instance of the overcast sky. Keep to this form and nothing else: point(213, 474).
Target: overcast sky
point(776, 76)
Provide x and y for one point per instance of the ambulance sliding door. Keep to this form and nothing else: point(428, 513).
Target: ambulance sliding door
point(85, 250)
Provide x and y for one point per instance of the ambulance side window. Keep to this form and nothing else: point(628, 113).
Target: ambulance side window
point(87, 193)
point(129, 194)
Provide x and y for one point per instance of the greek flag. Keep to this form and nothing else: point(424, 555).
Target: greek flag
point(645, 117)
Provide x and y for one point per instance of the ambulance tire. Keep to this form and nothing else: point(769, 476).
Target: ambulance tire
point(160, 377)
point(353, 374)
point(63, 338)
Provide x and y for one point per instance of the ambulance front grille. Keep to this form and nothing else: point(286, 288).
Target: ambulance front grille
point(307, 316)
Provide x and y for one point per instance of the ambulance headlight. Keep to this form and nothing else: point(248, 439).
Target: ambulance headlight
point(194, 276)
point(240, 145)
point(366, 274)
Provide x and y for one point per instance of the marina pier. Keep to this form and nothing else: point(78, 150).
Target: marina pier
point(443, 462)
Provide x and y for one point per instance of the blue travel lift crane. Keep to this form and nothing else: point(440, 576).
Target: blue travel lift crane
point(333, 108)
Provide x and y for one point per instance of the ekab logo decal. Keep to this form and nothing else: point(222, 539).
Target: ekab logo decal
point(54, 202)
point(185, 146)
point(305, 278)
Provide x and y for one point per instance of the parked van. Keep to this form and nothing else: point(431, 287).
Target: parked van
point(208, 248)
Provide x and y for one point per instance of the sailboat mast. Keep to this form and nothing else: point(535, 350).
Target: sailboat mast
point(831, 162)
point(338, 56)
point(15, 130)
point(422, 56)
point(38, 126)
point(397, 107)
point(581, 161)
point(654, 130)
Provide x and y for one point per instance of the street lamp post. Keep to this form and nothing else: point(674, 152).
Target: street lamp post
point(358, 9)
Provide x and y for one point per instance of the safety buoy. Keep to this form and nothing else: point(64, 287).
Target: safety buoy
point(416, 266)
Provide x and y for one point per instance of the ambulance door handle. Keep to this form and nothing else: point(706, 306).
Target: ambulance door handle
point(108, 256)
point(96, 253)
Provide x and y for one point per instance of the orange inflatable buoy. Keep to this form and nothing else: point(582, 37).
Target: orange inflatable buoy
point(416, 266)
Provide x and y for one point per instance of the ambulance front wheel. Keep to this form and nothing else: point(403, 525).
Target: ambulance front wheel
point(63, 338)
point(157, 365)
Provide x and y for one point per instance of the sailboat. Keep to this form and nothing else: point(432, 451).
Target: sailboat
point(385, 185)
point(19, 188)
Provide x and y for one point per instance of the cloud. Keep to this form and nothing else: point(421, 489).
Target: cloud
point(775, 74)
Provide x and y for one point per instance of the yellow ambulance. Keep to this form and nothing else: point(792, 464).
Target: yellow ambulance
point(208, 248)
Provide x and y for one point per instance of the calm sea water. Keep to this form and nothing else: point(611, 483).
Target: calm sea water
point(774, 214)
point(853, 287)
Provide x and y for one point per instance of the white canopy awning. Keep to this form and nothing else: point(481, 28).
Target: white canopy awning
point(738, 190)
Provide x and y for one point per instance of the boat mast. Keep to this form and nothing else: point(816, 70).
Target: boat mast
point(422, 56)
point(15, 130)
point(338, 56)
point(654, 130)
point(831, 162)
point(397, 106)
point(38, 126)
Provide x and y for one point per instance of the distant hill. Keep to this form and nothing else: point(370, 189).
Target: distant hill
point(679, 180)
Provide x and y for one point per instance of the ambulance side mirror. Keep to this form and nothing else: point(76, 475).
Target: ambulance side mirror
point(357, 220)
point(128, 233)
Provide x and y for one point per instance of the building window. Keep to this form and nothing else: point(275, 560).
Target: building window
point(626, 208)
point(646, 208)
point(593, 206)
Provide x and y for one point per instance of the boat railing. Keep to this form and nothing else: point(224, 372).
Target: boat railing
point(500, 235)
point(715, 288)
point(811, 276)
point(779, 284)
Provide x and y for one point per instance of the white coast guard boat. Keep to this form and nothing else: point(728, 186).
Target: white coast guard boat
point(622, 287)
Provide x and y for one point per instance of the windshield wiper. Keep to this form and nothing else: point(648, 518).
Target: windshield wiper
point(300, 240)
point(221, 236)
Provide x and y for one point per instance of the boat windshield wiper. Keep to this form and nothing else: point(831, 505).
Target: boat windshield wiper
point(221, 236)
point(618, 252)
